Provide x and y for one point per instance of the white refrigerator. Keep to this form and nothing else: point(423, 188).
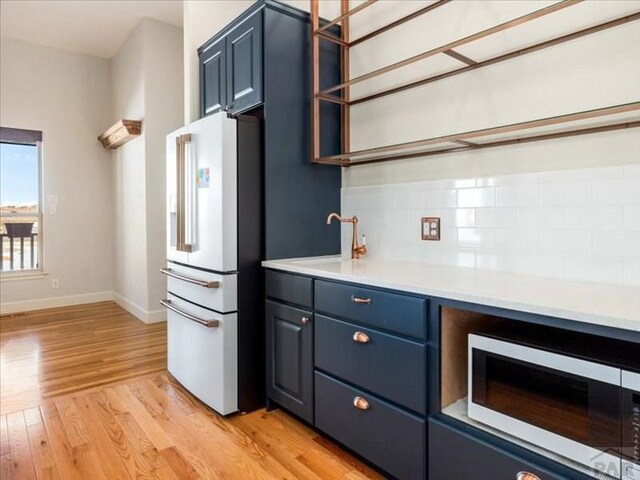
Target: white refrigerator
point(209, 335)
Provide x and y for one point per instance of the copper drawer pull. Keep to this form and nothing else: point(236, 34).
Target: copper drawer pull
point(305, 320)
point(527, 476)
point(360, 403)
point(355, 299)
point(361, 337)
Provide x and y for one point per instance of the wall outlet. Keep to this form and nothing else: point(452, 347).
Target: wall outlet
point(431, 228)
point(55, 283)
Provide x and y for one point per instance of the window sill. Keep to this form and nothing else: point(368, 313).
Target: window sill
point(21, 276)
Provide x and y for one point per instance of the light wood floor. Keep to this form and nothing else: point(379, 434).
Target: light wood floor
point(94, 418)
point(52, 352)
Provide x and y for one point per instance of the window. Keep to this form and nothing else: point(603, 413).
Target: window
point(20, 200)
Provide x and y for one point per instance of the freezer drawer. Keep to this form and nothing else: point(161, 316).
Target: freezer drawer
point(210, 290)
point(204, 358)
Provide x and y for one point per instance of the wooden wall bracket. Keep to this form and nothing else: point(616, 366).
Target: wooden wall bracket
point(120, 133)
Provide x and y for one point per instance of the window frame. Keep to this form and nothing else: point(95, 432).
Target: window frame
point(17, 136)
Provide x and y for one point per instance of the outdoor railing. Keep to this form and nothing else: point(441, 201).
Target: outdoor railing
point(17, 250)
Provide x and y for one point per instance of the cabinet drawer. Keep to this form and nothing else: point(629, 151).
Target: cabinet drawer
point(396, 313)
point(389, 437)
point(389, 366)
point(210, 290)
point(289, 288)
point(454, 454)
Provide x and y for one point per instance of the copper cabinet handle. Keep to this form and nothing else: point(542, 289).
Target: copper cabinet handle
point(305, 320)
point(355, 299)
point(361, 403)
point(361, 337)
point(527, 476)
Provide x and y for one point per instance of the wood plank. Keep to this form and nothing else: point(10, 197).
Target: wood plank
point(4, 437)
point(43, 459)
point(22, 460)
point(73, 462)
point(73, 425)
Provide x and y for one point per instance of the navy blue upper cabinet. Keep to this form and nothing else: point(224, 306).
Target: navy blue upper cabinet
point(213, 77)
point(244, 65)
point(231, 68)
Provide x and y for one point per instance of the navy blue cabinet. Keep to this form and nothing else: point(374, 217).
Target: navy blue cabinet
point(213, 77)
point(290, 358)
point(259, 65)
point(231, 69)
point(244, 65)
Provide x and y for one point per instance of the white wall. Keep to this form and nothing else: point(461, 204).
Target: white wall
point(147, 79)
point(67, 96)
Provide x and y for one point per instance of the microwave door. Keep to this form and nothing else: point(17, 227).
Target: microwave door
point(566, 405)
point(630, 426)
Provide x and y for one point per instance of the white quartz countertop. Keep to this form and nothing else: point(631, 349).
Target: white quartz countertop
point(602, 304)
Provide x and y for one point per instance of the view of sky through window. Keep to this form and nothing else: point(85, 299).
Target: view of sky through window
point(18, 175)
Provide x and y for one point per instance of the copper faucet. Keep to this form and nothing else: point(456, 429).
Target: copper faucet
point(357, 251)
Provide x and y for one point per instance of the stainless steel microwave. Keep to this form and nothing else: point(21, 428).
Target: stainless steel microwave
point(580, 409)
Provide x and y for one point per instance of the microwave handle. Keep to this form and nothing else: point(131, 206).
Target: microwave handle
point(631, 380)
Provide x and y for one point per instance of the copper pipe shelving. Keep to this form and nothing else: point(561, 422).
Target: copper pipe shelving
point(608, 118)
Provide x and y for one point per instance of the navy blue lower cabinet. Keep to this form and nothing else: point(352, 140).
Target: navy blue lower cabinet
point(387, 365)
point(387, 436)
point(457, 455)
point(289, 288)
point(290, 358)
point(402, 314)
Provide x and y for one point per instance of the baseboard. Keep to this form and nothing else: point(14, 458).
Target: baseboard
point(53, 302)
point(147, 316)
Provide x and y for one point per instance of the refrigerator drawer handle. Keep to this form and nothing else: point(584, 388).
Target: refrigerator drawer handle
point(203, 283)
point(207, 323)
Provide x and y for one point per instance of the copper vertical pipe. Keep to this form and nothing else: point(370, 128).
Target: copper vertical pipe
point(346, 114)
point(315, 82)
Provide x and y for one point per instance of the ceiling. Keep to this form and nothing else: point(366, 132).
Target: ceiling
point(95, 27)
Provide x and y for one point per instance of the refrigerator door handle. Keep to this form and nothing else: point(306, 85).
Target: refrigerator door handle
point(207, 323)
point(181, 140)
point(203, 283)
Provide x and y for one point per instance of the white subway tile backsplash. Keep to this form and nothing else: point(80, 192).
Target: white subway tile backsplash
point(565, 241)
point(476, 237)
point(565, 193)
point(631, 217)
point(617, 244)
point(536, 217)
point(619, 191)
point(518, 195)
point(576, 224)
point(594, 218)
point(476, 197)
point(496, 217)
point(439, 198)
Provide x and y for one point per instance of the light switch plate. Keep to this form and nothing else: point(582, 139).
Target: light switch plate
point(431, 228)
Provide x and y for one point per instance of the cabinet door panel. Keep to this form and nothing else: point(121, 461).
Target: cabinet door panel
point(289, 357)
point(213, 78)
point(244, 64)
